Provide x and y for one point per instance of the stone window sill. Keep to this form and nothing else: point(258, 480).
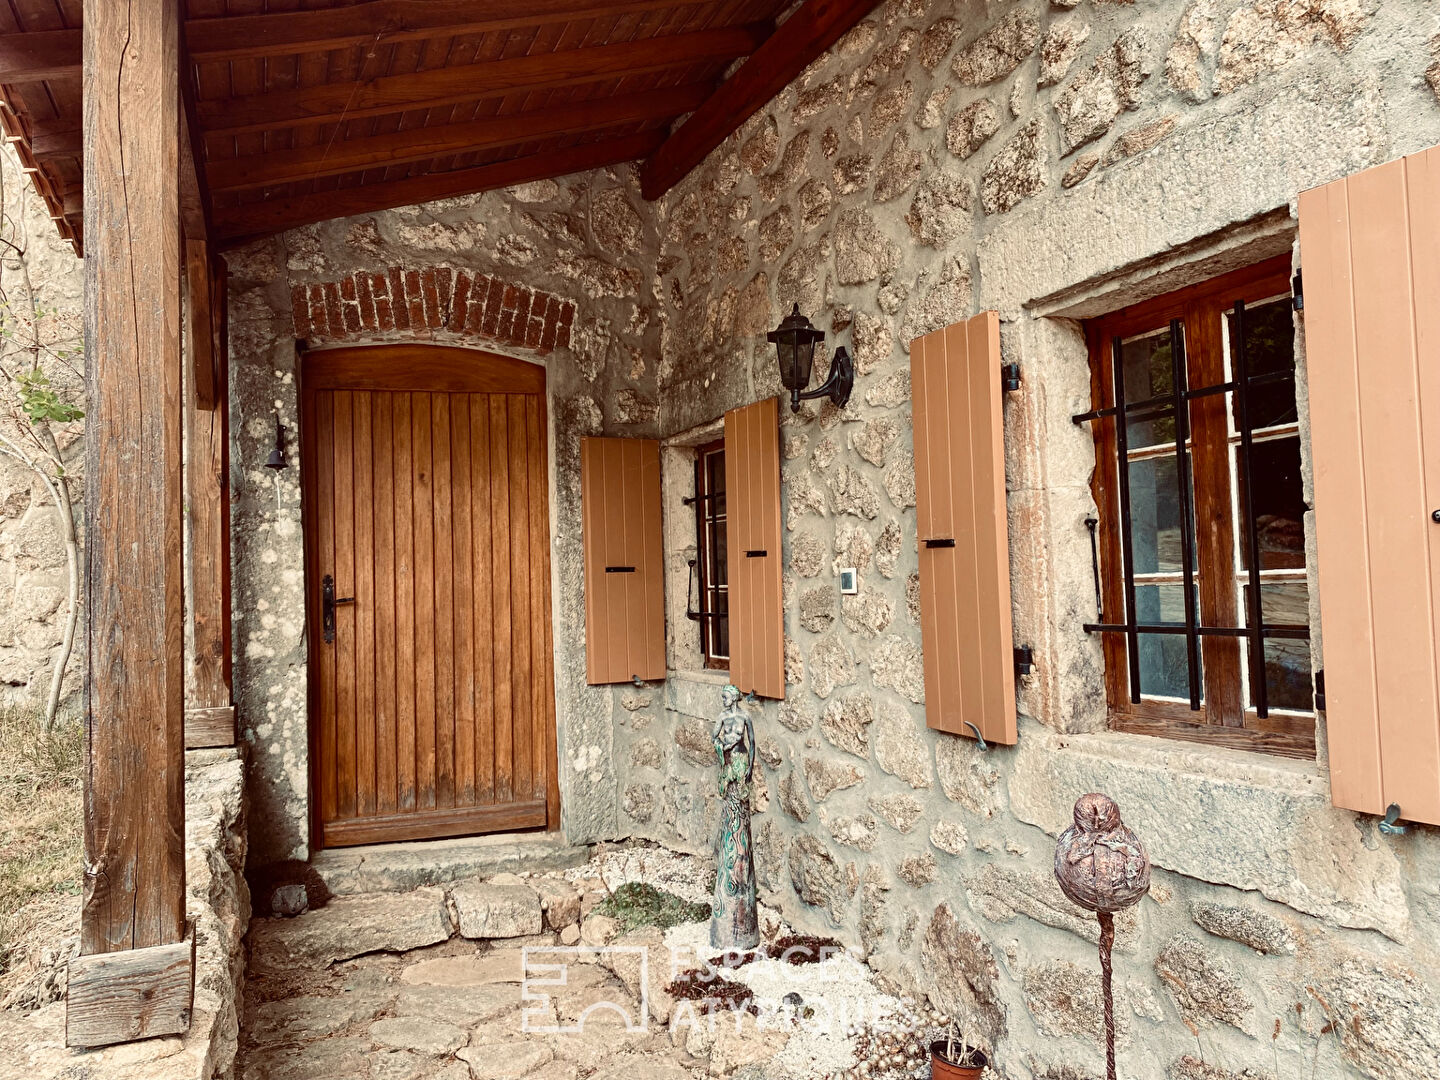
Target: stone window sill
point(1223, 816)
point(695, 692)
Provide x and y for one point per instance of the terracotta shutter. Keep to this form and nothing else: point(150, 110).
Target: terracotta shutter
point(752, 507)
point(624, 560)
point(960, 517)
point(1370, 250)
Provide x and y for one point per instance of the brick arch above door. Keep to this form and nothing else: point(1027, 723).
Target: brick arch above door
point(435, 302)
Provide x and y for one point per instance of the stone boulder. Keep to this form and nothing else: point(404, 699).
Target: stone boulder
point(1205, 988)
point(1111, 85)
point(819, 880)
point(502, 907)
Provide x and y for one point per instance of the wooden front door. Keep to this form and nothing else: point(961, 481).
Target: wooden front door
point(427, 527)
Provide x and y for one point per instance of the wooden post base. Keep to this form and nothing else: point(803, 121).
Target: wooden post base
point(135, 994)
point(209, 727)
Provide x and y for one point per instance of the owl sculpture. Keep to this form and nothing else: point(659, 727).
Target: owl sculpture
point(1099, 863)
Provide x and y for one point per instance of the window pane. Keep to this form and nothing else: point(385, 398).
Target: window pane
point(1149, 372)
point(1163, 668)
point(715, 481)
point(1155, 515)
point(1287, 675)
point(721, 631)
point(1269, 347)
point(1287, 660)
point(1279, 505)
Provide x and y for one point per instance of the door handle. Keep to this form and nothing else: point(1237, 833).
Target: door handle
point(328, 603)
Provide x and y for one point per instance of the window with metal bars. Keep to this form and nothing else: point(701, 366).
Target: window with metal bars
point(1200, 563)
point(710, 554)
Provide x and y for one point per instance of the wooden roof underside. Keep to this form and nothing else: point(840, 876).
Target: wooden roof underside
point(307, 110)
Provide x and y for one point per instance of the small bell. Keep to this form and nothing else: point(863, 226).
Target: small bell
point(276, 460)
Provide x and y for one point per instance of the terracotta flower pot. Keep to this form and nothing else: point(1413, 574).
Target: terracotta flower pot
point(942, 1069)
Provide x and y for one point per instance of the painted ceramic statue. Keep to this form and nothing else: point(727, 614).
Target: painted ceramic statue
point(733, 922)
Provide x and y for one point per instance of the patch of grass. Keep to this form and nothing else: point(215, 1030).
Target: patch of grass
point(636, 904)
point(40, 817)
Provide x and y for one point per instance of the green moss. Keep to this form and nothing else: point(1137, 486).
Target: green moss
point(636, 904)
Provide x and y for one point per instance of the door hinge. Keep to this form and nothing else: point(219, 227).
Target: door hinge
point(1297, 292)
point(1024, 660)
point(1009, 378)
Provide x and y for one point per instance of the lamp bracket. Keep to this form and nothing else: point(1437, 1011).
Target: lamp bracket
point(837, 387)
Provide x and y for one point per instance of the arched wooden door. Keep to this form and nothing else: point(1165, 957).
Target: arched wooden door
point(432, 709)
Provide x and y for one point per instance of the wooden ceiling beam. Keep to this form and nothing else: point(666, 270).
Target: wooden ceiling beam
point(797, 42)
point(386, 22)
point(425, 143)
point(330, 102)
point(235, 225)
point(37, 55)
point(59, 142)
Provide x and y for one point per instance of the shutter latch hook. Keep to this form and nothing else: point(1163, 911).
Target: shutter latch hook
point(1390, 824)
point(978, 737)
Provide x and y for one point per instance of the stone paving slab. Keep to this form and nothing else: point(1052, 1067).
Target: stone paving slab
point(349, 927)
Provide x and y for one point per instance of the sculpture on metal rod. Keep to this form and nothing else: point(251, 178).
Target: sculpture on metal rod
point(734, 924)
point(1103, 867)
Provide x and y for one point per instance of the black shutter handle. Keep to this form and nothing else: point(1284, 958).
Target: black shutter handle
point(1435, 517)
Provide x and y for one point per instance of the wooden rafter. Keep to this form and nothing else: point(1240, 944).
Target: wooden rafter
point(788, 51)
point(421, 144)
point(330, 102)
point(37, 55)
point(386, 22)
point(59, 143)
point(236, 224)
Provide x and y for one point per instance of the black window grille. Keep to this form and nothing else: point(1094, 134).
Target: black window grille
point(709, 568)
point(1176, 402)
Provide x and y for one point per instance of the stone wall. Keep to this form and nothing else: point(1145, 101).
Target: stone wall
point(33, 578)
point(1050, 161)
point(552, 272)
point(217, 907)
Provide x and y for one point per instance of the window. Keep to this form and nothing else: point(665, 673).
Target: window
point(711, 555)
point(1203, 589)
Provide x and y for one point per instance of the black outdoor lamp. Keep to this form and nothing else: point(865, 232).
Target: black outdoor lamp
point(795, 341)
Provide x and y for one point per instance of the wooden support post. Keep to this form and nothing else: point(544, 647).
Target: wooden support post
point(210, 713)
point(134, 890)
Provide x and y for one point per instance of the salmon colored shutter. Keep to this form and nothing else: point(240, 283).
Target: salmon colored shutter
point(624, 560)
point(1370, 250)
point(752, 507)
point(964, 540)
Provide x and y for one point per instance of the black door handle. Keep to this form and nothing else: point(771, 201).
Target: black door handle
point(328, 602)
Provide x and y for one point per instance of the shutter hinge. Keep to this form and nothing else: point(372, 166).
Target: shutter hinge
point(1320, 690)
point(1009, 378)
point(1297, 290)
point(1024, 660)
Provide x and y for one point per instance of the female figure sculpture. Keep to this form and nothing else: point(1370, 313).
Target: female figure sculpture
point(733, 921)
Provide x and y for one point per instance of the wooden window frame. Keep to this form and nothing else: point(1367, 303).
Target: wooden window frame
point(1221, 720)
point(705, 556)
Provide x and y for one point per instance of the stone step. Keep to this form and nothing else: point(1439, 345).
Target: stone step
point(406, 866)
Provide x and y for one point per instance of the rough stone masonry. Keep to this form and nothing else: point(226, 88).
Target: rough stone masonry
point(1050, 161)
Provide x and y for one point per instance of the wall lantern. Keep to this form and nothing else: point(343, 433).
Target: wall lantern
point(795, 341)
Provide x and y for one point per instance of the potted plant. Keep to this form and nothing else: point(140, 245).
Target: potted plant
point(954, 1058)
